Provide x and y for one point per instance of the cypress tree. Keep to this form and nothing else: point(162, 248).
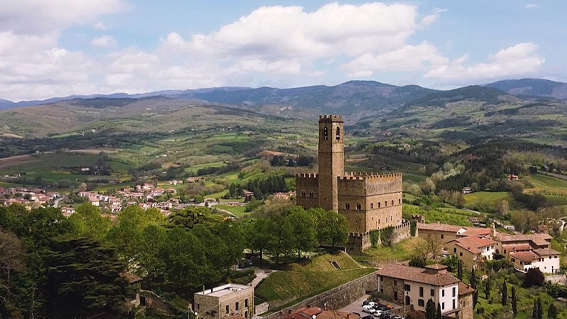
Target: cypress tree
point(430, 310)
point(487, 288)
point(539, 309)
point(460, 270)
point(504, 293)
point(472, 279)
point(552, 312)
point(438, 311)
point(475, 298)
point(534, 311)
point(514, 301)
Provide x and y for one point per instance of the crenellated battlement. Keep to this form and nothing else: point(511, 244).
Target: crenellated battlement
point(308, 176)
point(369, 176)
point(330, 118)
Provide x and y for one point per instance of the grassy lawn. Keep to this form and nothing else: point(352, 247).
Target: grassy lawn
point(400, 251)
point(548, 183)
point(236, 210)
point(299, 281)
point(487, 197)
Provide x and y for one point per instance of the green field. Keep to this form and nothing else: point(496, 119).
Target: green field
point(239, 211)
point(548, 183)
point(400, 251)
point(307, 278)
point(487, 197)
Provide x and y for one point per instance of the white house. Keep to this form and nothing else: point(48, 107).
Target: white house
point(415, 286)
point(547, 260)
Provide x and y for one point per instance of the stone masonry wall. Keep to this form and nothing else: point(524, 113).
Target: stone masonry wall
point(335, 298)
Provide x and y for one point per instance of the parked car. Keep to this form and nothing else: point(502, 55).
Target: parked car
point(368, 303)
point(368, 317)
point(245, 263)
point(378, 313)
point(368, 309)
point(382, 307)
point(387, 315)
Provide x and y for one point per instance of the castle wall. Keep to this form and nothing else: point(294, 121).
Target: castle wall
point(307, 190)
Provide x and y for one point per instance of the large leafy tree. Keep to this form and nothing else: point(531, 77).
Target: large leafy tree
point(304, 231)
point(192, 216)
point(83, 278)
point(332, 228)
point(87, 221)
point(282, 241)
point(257, 235)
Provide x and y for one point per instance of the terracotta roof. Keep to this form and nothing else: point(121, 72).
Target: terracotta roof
point(517, 247)
point(472, 243)
point(473, 231)
point(536, 238)
point(333, 314)
point(546, 252)
point(465, 289)
point(304, 313)
point(525, 256)
point(415, 274)
point(439, 227)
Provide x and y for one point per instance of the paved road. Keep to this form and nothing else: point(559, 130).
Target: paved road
point(260, 274)
point(356, 306)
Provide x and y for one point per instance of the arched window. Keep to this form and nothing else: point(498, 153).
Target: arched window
point(303, 193)
point(338, 135)
point(358, 206)
point(392, 202)
point(371, 205)
point(379, 204)
point(311, 194)
point(347, 206)
point(325, 133)
point(385, 203)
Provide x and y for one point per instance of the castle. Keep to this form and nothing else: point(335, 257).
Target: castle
point(368, 201)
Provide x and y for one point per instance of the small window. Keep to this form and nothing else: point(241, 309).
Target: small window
point(347, 206)
point(442, 292)
point(198, 306)
point(311, 194)
point(421, 291)
point(399, 201)
point(385, 203)
point(358, 206)
point(442, 236)
point(303, 193)
point(246, 314)
point(432, 292)
point(407, 287)
point(325, 133)
point(392, 202)
point(236, 307)
point(338, 135)
point(420, 302)
point(245, 302)
point(454, 304)
point(378, 204)
point(227, 309)
point(454, 291)
point(461, 254)
point(395, 282)
point(371, 205)
point(442, 306)
point(395, 295)
point(455, 250)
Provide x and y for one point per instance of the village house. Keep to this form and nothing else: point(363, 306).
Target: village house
point(442, 233)
point(415, 286)
point(546, 260)
point(223, 301)
point(472, 250)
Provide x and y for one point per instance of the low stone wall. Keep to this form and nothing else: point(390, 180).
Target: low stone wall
point(261, 308)
point(335, 298)
point(401, 232)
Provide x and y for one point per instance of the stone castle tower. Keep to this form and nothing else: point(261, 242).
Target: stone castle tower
point(368, 201)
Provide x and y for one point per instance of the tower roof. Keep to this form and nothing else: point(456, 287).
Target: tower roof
point(327, 118)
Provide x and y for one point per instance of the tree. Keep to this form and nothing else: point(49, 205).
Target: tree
point(11, 254)
point(535, 310)
point(430, 311)
point(232, 235)
point(87, 221)
point(552, 312)
point(539, 309)
point(149, 264)
point(514, 301)
point(504, 293)
point(460, 270)
point(534, 277)
point(83, 278)
point(472, 279)
point(282, 241)
point(257, 235)
point(438, 314)
point(487, 287)
point(332, 228)
point(502, 208)
point(304, 231)
point(475, 298)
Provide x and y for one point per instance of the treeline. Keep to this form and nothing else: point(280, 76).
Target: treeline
point(279, 160)
point(57, 267)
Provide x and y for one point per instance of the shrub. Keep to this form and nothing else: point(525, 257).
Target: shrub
point(534, 277)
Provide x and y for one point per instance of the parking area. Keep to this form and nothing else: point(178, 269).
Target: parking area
point(356, 307)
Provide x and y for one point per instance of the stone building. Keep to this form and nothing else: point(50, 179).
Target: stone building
point(413, 286)
point(224, 301)
point(368, 201)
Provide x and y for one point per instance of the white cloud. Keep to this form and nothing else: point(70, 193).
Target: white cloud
point(532, 6)
point(406, 58)
point(40, 16)
point(100, 26)
point(516, 60)
point(104, 41)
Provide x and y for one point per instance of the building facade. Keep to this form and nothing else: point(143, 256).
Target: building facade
point(224, 301)
point(416, 286)
point(368, 201)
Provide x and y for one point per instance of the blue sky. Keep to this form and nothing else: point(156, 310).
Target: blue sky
point(62, 47)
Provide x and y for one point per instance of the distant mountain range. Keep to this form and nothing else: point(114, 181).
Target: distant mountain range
point(346, 98)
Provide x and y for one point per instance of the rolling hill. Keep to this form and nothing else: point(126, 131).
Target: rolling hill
point(532, 88)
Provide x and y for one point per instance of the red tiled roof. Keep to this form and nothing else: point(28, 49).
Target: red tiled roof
point(525, 256)
point(517, 247)
point(304, 313)
point(439, 227)
point(473, 231)
point(465, 289)
point(546, 252)
point(472, 243)
point(416, 274)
